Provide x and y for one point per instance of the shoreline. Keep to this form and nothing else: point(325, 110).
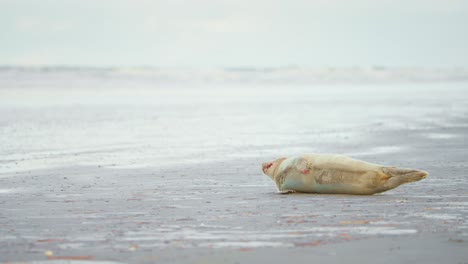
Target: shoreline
point(113, 217)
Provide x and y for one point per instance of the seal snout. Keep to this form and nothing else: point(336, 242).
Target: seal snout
point(266, 166)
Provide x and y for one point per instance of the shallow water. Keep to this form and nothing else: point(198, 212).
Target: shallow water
point(90, 120)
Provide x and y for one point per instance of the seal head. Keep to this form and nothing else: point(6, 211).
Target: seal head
point(269, 168)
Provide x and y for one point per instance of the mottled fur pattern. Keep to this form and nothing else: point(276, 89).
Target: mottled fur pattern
point(325, 173)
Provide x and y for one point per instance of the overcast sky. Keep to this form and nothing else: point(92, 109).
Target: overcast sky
point(211, 33)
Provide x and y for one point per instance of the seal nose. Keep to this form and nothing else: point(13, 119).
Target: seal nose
point(266, 166)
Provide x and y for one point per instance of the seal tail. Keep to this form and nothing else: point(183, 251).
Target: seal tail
point(398, 176)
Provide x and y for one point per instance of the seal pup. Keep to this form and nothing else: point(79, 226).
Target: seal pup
point(336, 174)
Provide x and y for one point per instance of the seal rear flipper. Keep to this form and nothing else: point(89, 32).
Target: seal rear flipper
point(398, 176)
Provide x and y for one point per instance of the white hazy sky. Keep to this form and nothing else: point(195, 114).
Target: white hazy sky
point(212, 33)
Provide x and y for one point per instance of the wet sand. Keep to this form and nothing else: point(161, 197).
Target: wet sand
point(150, 215)
point(213, 205)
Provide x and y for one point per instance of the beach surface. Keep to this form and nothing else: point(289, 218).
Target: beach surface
point(126, 169)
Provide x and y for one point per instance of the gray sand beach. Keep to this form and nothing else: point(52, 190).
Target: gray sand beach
point(130, 170)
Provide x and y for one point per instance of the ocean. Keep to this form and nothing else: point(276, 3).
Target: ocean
point(144, 117)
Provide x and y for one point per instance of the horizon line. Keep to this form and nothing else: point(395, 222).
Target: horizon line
point(233, 67)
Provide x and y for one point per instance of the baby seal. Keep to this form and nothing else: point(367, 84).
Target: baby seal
point(336, 174)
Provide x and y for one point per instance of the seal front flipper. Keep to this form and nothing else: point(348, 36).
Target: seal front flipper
point(302, 165)
point(295, 174)
point(286, 191)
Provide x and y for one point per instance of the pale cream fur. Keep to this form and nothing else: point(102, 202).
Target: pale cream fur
point(328, 173)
